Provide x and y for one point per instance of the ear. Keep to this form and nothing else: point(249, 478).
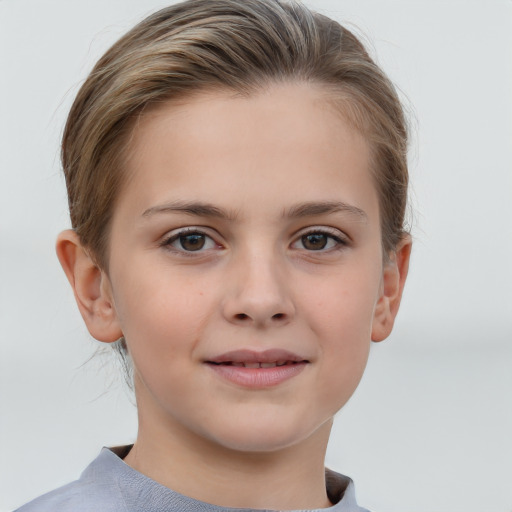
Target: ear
point(394, 274)
point(91, 286)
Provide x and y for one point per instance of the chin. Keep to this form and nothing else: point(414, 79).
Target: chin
point(255, 435)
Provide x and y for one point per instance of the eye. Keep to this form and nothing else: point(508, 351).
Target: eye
point(319, 240)
point(315, 241)
point(189, 240)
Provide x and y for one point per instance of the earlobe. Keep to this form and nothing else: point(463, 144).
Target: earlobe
point(91, 287)
point(393, 281)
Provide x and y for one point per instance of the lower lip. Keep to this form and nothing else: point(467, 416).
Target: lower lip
point(258, 377)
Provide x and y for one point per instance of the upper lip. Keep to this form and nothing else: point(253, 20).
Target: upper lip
point(254, 356)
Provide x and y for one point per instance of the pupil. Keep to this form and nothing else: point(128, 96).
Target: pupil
point(315, 241)
point(193, 242)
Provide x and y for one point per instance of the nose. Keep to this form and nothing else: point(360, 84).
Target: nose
point(259, 294)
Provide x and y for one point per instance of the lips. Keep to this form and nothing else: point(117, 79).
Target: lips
point(253, 369)
point(254, 359)
point(246, 364)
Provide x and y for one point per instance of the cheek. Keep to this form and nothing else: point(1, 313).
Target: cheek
point(160, 316)
point(345, 331)
point(340, 313)
point(342, 302)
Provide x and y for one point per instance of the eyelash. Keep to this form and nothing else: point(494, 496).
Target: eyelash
point(340, 241)
point(167, 242)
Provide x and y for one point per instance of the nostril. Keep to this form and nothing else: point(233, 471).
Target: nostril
point(278, 316)
point(241, 316)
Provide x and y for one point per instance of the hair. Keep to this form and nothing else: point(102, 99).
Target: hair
point(200, 45)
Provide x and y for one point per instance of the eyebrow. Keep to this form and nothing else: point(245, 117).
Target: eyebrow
point(313, 208)
point(308, 209)
point(198, 209)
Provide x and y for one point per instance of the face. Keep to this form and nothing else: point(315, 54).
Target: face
point(245, 266)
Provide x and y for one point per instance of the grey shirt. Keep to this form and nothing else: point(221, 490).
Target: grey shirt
point(110, 485)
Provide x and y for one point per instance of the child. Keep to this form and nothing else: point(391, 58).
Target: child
point(237, 182)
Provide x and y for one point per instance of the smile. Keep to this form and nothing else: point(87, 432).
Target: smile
point(259, 365)
point(251, 369)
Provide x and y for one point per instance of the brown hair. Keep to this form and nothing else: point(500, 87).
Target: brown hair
point(233, 44)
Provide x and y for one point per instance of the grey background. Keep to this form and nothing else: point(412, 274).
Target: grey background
point(430, 428)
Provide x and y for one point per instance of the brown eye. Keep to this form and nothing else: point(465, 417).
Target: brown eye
point(315, 241)
point(189, 241)
point(324, 240)
point(192, 242)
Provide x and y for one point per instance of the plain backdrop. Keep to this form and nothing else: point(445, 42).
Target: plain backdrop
point(430, 427)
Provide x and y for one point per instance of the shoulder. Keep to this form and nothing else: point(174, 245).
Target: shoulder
point(74, 497)
point(96, 489)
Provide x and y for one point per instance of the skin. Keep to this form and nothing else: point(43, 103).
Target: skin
point(257, 283)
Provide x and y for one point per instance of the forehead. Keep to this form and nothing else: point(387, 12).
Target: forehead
point(231, 148)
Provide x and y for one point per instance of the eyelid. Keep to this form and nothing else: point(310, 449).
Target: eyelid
point(326, 230)
point(171, 236)
point(342, 239)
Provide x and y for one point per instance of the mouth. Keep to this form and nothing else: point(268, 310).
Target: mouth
point(245, 364)
point(253, 369)
point(255, 359)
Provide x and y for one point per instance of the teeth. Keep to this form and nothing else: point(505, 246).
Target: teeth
point(257, 365)
point(266, 365)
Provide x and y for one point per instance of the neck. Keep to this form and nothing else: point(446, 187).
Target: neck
point(290, 478)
